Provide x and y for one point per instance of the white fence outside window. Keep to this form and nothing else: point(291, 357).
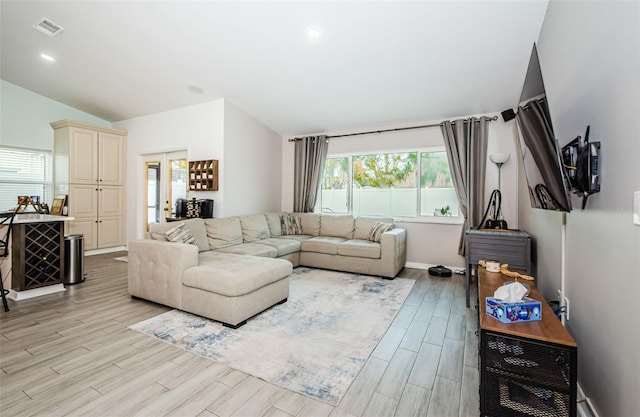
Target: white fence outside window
point(396, 202)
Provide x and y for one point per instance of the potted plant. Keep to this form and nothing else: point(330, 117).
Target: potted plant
point(442, 211)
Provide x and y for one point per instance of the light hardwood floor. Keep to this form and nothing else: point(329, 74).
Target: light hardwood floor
point(71, 354)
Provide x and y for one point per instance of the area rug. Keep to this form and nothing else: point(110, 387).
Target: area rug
point(314, 344)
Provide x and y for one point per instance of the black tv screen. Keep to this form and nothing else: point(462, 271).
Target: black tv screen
point(546, 178)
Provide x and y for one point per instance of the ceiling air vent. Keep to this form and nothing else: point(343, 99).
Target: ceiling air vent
point(47, 27)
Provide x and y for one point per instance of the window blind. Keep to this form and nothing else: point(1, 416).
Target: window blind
point(24, 172)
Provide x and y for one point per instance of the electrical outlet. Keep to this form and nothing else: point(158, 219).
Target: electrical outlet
point(566, 304)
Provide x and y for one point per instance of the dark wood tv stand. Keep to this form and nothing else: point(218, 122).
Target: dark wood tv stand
point(528, 368)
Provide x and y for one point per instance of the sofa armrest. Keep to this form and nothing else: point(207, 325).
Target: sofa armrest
point(156, 267)
point(393, 251)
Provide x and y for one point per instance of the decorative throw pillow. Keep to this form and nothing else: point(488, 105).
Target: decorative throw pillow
point(291, 225)
point(180, 234)
point(378, 229)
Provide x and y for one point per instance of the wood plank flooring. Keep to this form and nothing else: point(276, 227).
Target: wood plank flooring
point(71, 354)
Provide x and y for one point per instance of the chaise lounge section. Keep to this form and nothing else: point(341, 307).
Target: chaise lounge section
point(230, 269)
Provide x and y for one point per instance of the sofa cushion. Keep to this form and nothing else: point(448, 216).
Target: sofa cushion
point(322, 244)
point(282, 245)
point(299, 238)
point(360, 249)
point(254, 228)
point(378, 229)
point(180, 234)
point(157, 231)
point(234, 275)
point(363, 226)
point(310, 223)
point(253, 249)
point(273, 221)
point(223, 232)
point(290, 224)
point(337, 225)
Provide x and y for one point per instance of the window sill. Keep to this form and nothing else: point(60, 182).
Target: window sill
point(431, 220)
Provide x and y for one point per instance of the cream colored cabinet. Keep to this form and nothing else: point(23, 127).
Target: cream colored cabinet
point(89, 166)
point(87, 227)
point(111, 159)
point(83, 154)
point(83, 200)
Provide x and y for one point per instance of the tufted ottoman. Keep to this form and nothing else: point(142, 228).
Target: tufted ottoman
point(232, 288)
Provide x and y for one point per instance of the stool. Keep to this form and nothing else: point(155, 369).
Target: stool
point(6, 222)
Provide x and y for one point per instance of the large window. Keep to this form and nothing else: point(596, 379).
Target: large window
point(24, 172)
point(400, 184)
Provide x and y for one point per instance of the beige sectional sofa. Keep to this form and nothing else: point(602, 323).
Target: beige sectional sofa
point(237, 267)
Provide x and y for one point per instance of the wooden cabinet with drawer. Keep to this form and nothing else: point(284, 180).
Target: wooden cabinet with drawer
point(511, 247)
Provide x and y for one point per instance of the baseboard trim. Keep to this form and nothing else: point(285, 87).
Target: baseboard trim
point(36, 292)
point(416, 265)
point(419, 265)
point(106, 250)
point(585, 405)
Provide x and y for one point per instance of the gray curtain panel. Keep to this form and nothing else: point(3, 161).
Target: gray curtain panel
point(309, 158)
point(537, 134)
point(466, 144)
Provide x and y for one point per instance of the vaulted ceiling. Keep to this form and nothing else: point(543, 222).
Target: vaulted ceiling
point(375, 63)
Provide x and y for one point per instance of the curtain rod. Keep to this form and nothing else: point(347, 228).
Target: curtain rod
point(494, 118)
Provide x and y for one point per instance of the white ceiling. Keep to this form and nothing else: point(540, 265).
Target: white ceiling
point(376, 63)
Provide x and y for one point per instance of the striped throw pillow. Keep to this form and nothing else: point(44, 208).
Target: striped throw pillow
point(291, 225)
point(180, 234)
point(378, 229)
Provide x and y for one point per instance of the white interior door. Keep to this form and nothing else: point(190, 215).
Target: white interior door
point(165, 181)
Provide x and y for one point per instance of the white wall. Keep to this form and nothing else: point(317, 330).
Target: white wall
point(252, 165)
point(428, 243)
point(25, 117)
point(589, 53)
point(199, 129)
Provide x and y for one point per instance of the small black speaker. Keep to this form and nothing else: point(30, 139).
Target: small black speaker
point(508, 114)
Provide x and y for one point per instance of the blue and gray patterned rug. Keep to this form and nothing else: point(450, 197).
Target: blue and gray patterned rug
point(314, 344)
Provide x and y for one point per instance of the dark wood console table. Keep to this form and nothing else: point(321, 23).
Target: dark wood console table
point(528, 368)
point(511, 247)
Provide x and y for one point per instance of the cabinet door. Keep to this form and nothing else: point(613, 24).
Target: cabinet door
point(83, 201)
point(83, 156)
point(110, 232)
point(88, 228)
point(110, 201)
point(111, 162)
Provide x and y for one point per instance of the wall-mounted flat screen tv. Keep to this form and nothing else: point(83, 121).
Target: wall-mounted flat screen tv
point(546, 178)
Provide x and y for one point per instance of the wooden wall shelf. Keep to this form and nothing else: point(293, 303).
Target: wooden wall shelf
point(203, 175)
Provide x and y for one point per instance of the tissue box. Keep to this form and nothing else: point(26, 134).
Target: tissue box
point(526, 310)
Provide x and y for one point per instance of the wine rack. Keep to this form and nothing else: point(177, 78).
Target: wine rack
point(38, 255)
point(203, 175)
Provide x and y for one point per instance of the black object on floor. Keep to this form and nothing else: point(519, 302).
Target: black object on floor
point(439, 271)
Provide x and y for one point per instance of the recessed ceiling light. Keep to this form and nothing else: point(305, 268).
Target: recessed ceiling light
point(314, 32)
point(195, 89)
point(47, 57)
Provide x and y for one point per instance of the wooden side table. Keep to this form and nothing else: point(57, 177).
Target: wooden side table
point(511, 247)
point(527, 368)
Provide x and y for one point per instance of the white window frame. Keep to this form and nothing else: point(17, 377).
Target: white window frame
point(47, 184)
point(419, 218)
